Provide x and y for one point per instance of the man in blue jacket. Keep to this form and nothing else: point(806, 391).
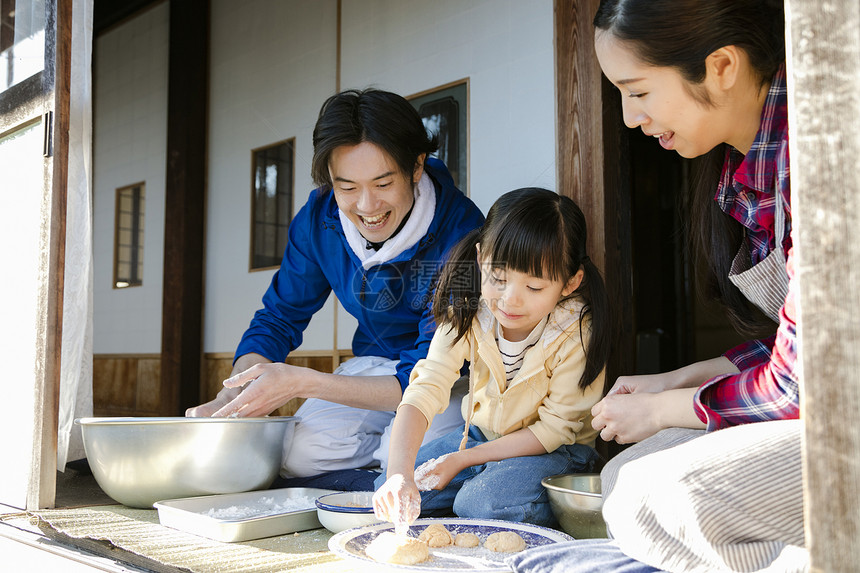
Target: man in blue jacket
point(375, 232)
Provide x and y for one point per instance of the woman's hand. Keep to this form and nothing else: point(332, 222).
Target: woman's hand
point(643, 383)
point(637, 407)
point(690, 376)
point(398, 500)
point(628, 412)
point(628, 418)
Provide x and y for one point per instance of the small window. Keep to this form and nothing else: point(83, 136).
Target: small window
point(128, 236)
point(445, 112)
point(271, 202)
point(22, 40)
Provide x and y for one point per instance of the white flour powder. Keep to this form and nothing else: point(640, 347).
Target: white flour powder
point(261, 508)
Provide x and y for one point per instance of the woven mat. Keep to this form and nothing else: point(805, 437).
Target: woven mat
point(136, 537)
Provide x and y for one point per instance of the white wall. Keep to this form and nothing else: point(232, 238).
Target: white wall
point(129, 142)
point(272, 66)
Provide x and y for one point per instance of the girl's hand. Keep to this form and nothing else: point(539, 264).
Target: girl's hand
point(398, 500)
point(438, 473)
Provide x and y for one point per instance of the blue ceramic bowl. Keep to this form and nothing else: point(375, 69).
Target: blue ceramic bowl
point(345, 510)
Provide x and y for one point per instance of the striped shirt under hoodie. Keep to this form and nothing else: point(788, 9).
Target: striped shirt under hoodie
point(513, 352)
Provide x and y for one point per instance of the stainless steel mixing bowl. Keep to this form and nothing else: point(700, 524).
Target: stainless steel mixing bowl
point(577, 503)
point(138, 461)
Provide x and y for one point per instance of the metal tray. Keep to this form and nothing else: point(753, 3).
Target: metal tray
point(243, 516)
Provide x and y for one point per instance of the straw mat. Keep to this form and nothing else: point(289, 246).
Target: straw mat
point(135, 536)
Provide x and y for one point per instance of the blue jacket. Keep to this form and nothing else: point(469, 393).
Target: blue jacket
point(390, 300)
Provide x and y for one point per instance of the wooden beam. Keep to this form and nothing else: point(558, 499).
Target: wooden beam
point(823, 62)
point(185, 196)
point(108, 14)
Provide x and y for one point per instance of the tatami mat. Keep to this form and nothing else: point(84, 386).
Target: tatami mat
point(137, 534)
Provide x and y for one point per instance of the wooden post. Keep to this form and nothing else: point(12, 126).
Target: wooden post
point(823, 60)
point(592, 166)
point(335, 352)
point(43, 473)
point(579, 117)
point(184, 206)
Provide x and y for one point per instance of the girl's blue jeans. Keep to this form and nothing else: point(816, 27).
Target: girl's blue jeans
point(508, 489)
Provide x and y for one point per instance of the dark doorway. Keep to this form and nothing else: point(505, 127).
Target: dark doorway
point(673, 326)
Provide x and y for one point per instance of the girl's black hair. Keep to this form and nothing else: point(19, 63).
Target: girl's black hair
point(379, 117)
point(537, 232)
point(681, 34)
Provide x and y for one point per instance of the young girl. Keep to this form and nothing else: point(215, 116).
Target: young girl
point(519, 300)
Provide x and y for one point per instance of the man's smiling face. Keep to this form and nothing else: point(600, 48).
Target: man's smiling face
point(371, 190)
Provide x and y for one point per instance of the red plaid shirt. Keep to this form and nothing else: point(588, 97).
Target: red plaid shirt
point(766, 387)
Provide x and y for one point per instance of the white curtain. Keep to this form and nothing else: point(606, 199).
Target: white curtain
point(76, 373)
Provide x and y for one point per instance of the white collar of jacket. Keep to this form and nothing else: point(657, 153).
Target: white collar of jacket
point(565, 315)
point(415, 228)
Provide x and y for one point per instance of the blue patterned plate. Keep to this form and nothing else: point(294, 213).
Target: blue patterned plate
point(350, 544)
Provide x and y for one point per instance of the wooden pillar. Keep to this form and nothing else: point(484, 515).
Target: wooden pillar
point(57, 76)
point(185, 193)
point(592, 165)
point(579, 120)
point(823, 53)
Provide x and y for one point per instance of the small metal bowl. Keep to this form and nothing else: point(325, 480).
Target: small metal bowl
point(577, 503)
point(138, 461)
point(341, 511)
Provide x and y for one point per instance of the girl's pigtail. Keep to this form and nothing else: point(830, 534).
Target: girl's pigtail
point(455, 300)
point(593, 290)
